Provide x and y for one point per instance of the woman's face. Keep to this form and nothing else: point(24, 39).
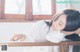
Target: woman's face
point(59, 23)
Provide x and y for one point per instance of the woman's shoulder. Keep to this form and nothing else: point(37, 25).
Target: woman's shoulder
point(41, 23)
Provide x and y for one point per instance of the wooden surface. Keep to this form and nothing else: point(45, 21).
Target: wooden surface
point(63, 46)
point(13, 44)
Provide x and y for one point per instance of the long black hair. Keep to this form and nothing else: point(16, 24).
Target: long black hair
point(73, 23)
point(73, 19)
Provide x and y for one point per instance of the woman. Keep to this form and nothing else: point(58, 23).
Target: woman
point(58, 29)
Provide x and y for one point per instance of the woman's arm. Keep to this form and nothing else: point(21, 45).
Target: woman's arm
point(20, 37)
point(77, 31)
point(67, 33)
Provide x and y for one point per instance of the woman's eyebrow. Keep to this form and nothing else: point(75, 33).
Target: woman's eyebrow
point(61, 22)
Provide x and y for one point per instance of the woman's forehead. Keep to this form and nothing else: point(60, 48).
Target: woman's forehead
point(62, 18)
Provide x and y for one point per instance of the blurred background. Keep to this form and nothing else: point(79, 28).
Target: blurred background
point(31, 10)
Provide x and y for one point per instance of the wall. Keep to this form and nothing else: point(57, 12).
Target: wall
point(7, 29)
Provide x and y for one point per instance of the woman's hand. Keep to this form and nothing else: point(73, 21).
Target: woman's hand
point(77, 31)
point(68, 33)
point(17, 37)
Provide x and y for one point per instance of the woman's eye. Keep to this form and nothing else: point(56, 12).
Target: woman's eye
point(60, 24)
point(55, 19)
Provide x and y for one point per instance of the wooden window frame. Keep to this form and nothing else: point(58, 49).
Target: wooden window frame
point(28, 13)
point(39, 17)
point(2, 4)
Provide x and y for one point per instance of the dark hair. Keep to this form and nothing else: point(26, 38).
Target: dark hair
point(73, 19)
point(73, 37)
point(73, 23)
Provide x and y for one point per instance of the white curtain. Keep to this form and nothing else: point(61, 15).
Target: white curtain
point(15, 6)
point(42, 7)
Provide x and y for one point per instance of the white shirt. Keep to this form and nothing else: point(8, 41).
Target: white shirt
point(40, 32)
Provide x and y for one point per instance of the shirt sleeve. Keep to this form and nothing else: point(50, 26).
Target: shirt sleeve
point(55, 37)
point(34, 32)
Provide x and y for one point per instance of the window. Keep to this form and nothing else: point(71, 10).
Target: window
point(42, 9)
point(27, 9)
